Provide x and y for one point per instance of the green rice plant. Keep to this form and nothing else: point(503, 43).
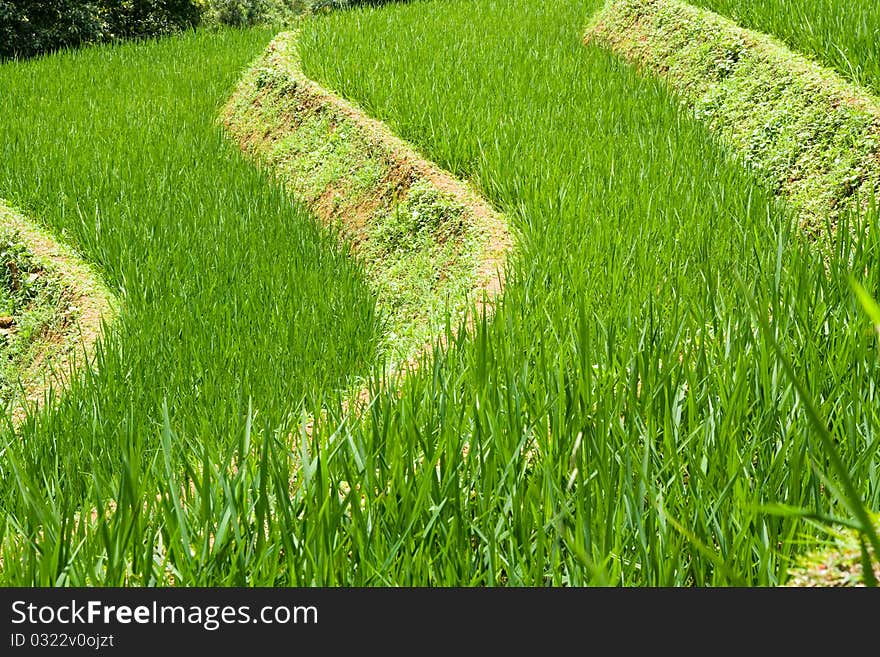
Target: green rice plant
point(229, 290)
point(428, 245)
point(848, 494)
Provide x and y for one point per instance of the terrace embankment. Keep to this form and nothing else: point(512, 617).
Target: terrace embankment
point(433, 250)
point(813, 137)
point(54, 310)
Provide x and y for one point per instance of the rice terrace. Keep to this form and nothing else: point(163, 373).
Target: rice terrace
point(440, 293)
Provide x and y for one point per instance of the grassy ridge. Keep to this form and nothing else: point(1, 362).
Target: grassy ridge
point(624, 416)
point(217, 269)
point(844, 34)
point(810, 135)
point(425, 242)
point(55, 309)
point(31, 304)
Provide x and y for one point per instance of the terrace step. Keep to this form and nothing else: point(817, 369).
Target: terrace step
point(431, 246)
point(55, 346)
point(809, 134)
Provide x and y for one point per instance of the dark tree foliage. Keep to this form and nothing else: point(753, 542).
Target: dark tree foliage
point(31, 27)
point(142, 18)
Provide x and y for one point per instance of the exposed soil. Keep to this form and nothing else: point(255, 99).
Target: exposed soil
point(839, 563)
point(69, 344)
point(406, 162)
point(299, 101)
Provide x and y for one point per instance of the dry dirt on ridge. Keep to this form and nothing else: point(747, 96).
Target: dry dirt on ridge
point(72, 341)
point(359, 178)
point(406, 163)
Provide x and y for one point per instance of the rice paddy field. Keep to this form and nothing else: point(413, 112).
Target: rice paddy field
point(677, 388)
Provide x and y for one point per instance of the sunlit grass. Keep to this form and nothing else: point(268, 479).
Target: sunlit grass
point(229, 291)
point(624, 418)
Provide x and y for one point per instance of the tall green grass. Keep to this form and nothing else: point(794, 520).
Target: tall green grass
point(626, 417)
point(844, 34)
